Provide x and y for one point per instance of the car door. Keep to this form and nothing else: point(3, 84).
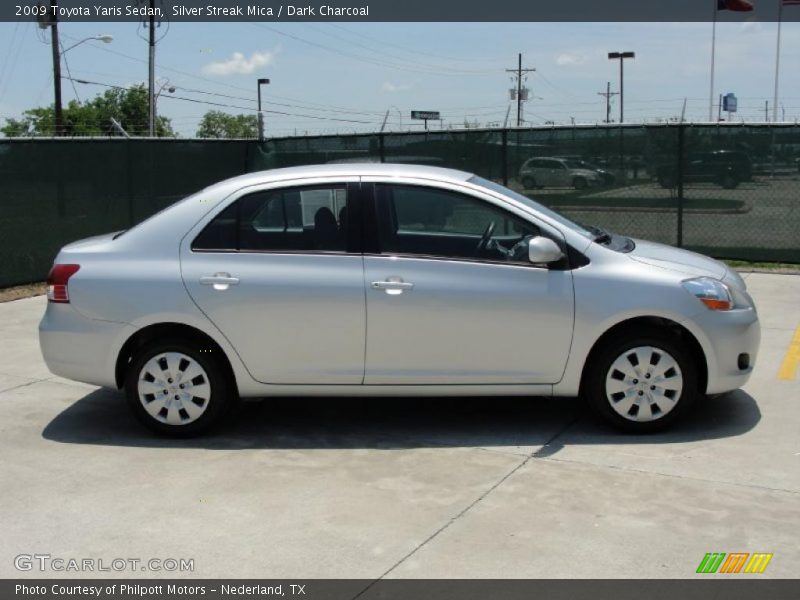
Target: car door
point(440, 312)
point(560, 174)
point(277, 273)
point(542, 173)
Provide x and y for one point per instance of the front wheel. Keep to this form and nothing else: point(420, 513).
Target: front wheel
point(641, 382)
point(178, 389)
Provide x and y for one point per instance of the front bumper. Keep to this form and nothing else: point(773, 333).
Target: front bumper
point(79, 348)
point(726, 337)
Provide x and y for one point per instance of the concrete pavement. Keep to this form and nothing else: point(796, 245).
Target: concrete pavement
point(430, 488)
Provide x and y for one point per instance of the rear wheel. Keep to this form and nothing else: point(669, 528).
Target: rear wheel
point(729, 181)
point(642, 381)
point(178, 389)
point(528, 183)
point(666, 181)
point(580, 183)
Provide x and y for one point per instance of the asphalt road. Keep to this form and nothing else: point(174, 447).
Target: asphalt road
point(492, 487)
point(769, 216)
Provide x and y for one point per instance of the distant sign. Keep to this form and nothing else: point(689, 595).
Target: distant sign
point(425, 115)
point(729, 102)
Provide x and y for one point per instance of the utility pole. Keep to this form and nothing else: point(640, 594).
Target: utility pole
point(766, 111)
point(151, 87)
point(518, 72)
point(608, 94)
point(59, 112)
point(260, 120)
point(621, 56)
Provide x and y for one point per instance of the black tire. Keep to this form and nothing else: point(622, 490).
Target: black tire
point(580, 183)
point(601, 360)
point(222, 399)
point(729, 181)
point(667, 181)
point(528, 183)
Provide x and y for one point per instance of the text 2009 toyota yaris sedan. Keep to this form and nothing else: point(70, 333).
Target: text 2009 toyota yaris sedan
point(383, 280)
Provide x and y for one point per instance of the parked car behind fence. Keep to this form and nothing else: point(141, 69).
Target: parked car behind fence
point(727, 168)
point(557, 172)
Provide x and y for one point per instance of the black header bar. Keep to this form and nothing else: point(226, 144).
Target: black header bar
point(396, 10)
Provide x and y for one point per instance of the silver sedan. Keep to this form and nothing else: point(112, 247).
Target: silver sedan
point(375, 280)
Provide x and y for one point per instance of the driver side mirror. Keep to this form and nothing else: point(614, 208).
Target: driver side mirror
point(542, 250)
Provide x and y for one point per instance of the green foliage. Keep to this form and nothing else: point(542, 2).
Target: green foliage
point(128, 106)
point(218, 124)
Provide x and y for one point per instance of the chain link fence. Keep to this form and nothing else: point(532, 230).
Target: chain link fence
point(729, 191)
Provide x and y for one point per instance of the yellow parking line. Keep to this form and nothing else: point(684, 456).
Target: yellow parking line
point(791, 360)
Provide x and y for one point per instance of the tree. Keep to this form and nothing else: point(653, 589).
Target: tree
point(218, 124)
point(129, 106)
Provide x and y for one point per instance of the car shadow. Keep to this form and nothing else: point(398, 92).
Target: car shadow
point(102, 418)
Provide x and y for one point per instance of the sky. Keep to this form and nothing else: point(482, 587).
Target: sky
point(344, 77)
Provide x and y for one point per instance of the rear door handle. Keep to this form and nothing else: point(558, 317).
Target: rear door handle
point(220, 281)
point(392, 286)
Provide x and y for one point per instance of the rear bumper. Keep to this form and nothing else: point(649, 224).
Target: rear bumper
point(726, 337)
point(79, 348)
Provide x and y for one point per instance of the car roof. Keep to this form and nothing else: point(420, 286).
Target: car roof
point(364, 169)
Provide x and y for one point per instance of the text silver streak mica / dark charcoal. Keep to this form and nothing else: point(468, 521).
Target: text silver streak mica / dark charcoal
point(376, 280)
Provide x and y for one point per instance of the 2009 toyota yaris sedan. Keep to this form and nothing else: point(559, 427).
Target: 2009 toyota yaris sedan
point(376, 280)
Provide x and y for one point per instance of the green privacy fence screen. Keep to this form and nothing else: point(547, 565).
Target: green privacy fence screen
point(730, 191)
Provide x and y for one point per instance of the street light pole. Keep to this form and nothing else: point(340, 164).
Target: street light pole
point(170, 89)
point(57, 54)
point(261, 81)
point(621, 56)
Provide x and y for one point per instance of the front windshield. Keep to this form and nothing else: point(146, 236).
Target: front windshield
point(561, 219)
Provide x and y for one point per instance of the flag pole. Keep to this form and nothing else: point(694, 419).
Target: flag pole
point(777, 62)
point(713, 51)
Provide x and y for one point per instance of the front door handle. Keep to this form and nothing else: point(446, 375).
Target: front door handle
point(220, 281)
point(392, 285)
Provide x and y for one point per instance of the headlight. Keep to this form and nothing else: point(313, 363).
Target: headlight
point(714, 294)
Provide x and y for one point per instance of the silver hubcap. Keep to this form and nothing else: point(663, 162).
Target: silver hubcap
point(644, 383)
point(174, 389)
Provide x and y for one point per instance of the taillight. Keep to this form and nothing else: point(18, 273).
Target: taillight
point(57, 288)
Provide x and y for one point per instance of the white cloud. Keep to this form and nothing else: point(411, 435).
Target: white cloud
point(390, 87)
point(239, 65)
point(570, 60)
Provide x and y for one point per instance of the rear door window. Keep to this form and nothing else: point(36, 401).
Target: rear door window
point(292, 219)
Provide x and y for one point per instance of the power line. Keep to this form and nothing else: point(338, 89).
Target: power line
point(302, 104)
point(7, 57)
point(413, 51)
point(379, 50)
point(210, 103)
point(378, 62)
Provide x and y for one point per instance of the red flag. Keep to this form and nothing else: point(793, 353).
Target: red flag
point(737, 5)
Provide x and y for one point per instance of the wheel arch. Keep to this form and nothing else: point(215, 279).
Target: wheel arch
point(633, 324)
point(167, 330)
